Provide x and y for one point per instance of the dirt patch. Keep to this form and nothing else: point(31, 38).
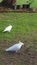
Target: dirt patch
point(26, 56)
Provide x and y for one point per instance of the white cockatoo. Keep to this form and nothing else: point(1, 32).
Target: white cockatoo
point(15, 47)
point(8, 29)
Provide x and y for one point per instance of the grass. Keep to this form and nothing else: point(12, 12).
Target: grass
point(20, 22)
point(25, 30)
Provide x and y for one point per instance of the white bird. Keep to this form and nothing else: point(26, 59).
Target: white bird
point(15, 48)
point(8, 29)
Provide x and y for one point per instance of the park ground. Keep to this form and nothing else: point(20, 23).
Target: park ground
point(25, 30)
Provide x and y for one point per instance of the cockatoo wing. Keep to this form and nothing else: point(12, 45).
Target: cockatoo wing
point(13, 48)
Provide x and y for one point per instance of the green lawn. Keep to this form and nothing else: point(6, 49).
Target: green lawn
point(25, 30)
point(22, 24)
